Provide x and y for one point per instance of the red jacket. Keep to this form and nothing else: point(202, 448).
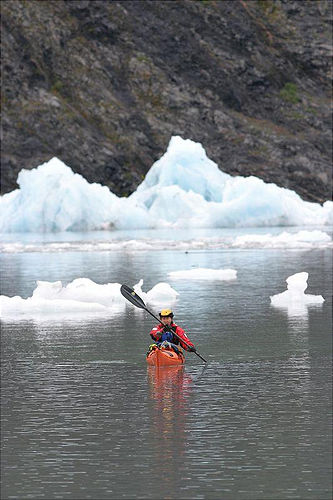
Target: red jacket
point(157, 332)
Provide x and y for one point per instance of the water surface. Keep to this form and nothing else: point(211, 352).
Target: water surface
point(84, 417)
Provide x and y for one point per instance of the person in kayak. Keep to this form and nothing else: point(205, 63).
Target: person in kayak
point(161, 332)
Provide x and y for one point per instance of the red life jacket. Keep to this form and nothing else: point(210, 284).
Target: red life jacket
point(157, 331)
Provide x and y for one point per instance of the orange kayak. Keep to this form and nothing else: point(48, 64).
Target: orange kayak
point(160, 356)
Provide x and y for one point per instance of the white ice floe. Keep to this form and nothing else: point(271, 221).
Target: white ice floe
point(52, 298)
point(294, 299)
point(80, 297)
point(201, 273)
point(301, 239)
point(161, 294)
point(182, 189)
point(304, 240)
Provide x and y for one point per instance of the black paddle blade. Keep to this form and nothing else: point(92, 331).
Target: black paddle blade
point(130, 295)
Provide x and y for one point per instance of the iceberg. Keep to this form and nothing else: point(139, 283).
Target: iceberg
point(187, 189)
point(52, 198)
point(81, 297)
point(161, 295)
point(294, 298)
point(183, 189)
point(202, 273)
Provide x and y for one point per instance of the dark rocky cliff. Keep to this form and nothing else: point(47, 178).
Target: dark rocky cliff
point(103, 85)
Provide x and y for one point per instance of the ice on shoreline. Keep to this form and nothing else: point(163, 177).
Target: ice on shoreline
point(182, 189)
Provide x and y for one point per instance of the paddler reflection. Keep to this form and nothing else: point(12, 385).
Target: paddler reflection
point(170, 389)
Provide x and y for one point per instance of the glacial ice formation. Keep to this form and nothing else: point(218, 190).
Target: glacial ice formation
point(52, 198)
point(184, 188)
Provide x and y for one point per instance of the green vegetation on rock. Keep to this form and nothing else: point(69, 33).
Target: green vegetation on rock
point(289, 93)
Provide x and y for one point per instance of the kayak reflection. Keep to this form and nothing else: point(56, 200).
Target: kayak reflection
point(169, 389)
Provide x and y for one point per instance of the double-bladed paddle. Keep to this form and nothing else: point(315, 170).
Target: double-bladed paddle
point(137, 301)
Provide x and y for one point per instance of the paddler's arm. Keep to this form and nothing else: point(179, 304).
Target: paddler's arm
point(181, 333)
point(156, 333)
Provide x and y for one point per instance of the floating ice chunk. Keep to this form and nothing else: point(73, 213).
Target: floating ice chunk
point(48, 290)
point(162, 294)
point(311, 236)
point(294, 298)
point(205, 274)
point(138, 290)
point(296, 286)
point(301, 239)
point(16, 308)
point(81, 296)
point(86, 290)
point(81, 290)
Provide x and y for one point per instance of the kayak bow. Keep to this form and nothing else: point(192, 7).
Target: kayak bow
point(160, 356)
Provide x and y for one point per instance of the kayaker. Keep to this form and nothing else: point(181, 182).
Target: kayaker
point(160, 333)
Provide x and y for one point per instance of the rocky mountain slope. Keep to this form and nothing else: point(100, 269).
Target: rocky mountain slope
point(103, 85)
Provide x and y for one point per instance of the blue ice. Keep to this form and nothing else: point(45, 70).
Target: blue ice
point(184, 188)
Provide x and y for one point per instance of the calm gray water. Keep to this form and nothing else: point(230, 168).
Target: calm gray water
point(84, 418)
